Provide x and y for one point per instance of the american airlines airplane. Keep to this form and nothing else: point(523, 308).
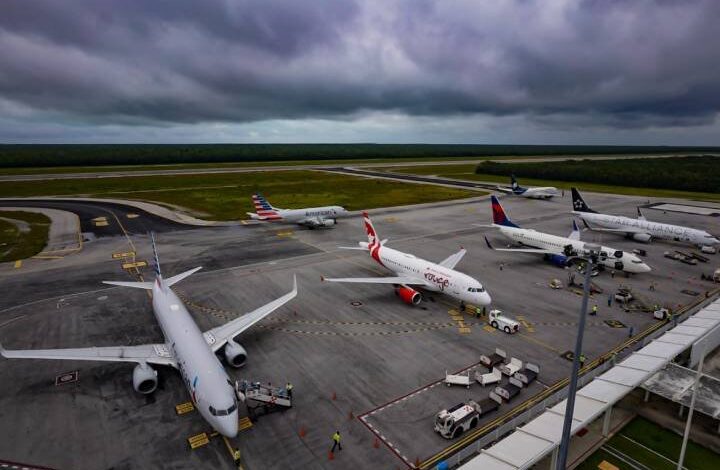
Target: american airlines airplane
point(639, 229)
point(534, 193)
point(412, 271)
point(559, 247)
point(186, 348)
point(312, 217)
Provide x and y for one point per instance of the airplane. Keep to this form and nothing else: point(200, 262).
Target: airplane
point(639, 229)
point(312, 217)
point(559, 248)
point(186, 348)
point(411, 271)
point(534, 193)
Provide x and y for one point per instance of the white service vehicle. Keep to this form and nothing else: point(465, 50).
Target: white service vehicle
point(511, 367)
point(490, 378)
point(458, 379)
point(453, 422)
point(501, 322)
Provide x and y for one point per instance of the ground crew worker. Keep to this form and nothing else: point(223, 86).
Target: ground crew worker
point(594, 310)
point(582, 359)
point(652, 286)
point(288, 389)
point(631, 332)
point(336, 441)
point(612, 273)
point(614, 357)
point(462, 306)
point(610, 300)
point(236, 457)
point(478, 311)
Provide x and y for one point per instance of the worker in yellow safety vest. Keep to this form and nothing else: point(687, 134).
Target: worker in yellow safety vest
point(336, 441)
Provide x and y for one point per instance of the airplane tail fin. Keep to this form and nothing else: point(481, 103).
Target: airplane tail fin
point(640, 216)
point(578, 202)
point(263, 209)
point(373, 238)
point(499, 217)
point(156, 258)
point(515, 186)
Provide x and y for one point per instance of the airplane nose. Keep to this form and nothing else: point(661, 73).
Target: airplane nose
point(227, 425)
point(484, 299)
point(644, 268)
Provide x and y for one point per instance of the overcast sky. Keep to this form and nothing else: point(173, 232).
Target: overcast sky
point(446, 71)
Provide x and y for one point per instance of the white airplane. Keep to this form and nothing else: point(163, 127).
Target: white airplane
point(312, 217)
point(534, 193)
point(639, 229)
point(186, 348)
point(561, 248)
point(412, 271)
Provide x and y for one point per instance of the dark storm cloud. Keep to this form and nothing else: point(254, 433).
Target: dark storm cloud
point(617, 64)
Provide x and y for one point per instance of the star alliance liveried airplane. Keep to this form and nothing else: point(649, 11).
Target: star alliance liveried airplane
point(412, 271)
point(533, 193)
point(312, 217)
point(186, 348)
point(558, 248)
point(639, 229)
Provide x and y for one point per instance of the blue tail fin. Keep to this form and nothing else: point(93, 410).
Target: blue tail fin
point(516, 188)
point(499, 217)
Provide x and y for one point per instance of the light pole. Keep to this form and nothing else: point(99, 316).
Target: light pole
point(590, 256)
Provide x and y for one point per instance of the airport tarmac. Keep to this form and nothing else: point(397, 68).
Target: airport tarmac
point(348, 349)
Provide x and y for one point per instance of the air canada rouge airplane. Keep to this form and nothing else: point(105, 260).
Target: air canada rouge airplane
point(412, 271)
point(186, 348)
point(533, 193)
point(639, 229)
point(559, 248)
point(311, 217)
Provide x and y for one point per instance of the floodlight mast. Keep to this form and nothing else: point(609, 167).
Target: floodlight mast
point(590, 255)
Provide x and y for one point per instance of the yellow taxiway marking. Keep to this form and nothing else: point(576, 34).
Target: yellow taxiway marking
point(18, 263)
point(100, 219)
point(101, 223)
point(135, 265)
point(390, 219)
point(132, 216)
point(528, 326)
point(47, 257)
point(541, 343)
point(183, 408)
point(245, 423)
point(464, 330)
point(198, 440)
point(489, 329)
point(126, 254)
point(288, 233)
point(244, 222)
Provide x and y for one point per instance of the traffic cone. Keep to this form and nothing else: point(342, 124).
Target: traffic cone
point(334, 396)
point(302, 431)
point(331, 456)
point(376, 444)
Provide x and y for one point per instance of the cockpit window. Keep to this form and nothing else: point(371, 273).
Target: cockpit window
point(215, 412)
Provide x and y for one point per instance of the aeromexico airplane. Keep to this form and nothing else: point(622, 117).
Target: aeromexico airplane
point(411, 271)
point(534, 193)
point(186, 348)
point(559, 248)
point(312, 217)
point(639, 229)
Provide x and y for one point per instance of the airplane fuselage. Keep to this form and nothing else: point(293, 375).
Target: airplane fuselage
point(654, 229)
point(437, 278)
point(615, 259)
point(205, 378)
point(537, 193)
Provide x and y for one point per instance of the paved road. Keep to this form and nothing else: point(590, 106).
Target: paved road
point(414, 178)
point(222, 170)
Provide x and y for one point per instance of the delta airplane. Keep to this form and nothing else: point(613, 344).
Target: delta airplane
point(412, 271)
point(186, 348)
point(312, 217)
point(559, 248)
point(639, 229)
point(534, 193)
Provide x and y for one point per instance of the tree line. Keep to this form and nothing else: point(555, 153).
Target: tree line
point(22, 155)
point(701, 173)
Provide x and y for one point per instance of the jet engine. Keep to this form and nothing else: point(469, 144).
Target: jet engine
point(144, 379)
point(641, 237)
point(408, 295)
point(328, 222)
point(619, 265)
point(235, 354)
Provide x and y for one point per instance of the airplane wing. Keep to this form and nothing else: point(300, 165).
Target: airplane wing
point(451, 261)
point(539, 251)
point(218, 336)
point(380, 280)
point(145, 353)
point(503, 189)
point(614, 230)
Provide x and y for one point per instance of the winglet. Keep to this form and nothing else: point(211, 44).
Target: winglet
point(488, 243)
